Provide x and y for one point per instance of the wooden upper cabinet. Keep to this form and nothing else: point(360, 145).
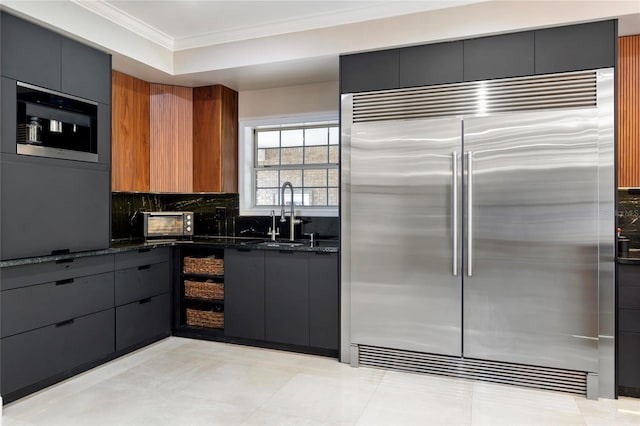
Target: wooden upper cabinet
point(171, 147)
point(129, 133)
point(629, 111)
point(215, 139)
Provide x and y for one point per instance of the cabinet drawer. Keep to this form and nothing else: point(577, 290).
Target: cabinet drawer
point(144, 281)
point(628, 276)
point(139, 321)
point(37, 306)
point(628, 364)
point(629, 297)
point(142, 257)
point(629, 320)
point(26, 275)
point(30, 357)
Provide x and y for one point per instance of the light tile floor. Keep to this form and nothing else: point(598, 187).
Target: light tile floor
point(192, 382)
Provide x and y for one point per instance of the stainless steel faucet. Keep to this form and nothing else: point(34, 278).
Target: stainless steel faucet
point(273, 231)
point(292, 218)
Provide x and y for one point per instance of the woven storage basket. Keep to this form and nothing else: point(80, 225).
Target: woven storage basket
point(203, 265)
point(204, 290)
point(209, 319)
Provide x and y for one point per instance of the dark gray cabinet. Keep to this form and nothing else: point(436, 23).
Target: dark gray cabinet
point(142, 296)
point(508, 55)
point(86, 72)
point(576, 47)
point(287, 297)
point(244, 294)
point(30, 53)
point(629, 329)
point(31, 357)
point(324, 306)
point(47, 208)
point(363, 72)
point(8, 116)
point(431, 64)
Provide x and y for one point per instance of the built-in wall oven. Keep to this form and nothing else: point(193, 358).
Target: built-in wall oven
point(55, 125)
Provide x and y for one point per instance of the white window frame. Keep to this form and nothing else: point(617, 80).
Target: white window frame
point(246, 152)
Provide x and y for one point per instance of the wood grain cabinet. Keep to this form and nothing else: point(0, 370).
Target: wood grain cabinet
point(629, 111)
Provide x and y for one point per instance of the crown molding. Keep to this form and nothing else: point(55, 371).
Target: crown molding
point(131, 23)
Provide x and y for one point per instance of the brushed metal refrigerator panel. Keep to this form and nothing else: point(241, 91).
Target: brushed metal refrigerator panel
point(533, 294)
point(403, 291)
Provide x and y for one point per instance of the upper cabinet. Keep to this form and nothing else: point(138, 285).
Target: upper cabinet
point(552, 50)
point(130, 133)
point(173, 139)
point(86, 72)
point(628, 111)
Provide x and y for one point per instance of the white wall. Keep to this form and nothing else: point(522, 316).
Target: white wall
point(289, 101)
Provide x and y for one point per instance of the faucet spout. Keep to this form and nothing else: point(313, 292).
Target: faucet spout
point(292, 218)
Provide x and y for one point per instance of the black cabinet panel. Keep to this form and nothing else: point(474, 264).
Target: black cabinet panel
point(628, 275)
point(86, 72)
point(508, 55)
point(142, 257)
point(27, 308)
point(39, 273)
point(575, 47)
point(8, 116)
point(629, 320)
point(142, 281)
point(324, 309)
point(39, 354)
point(104, 134)
point(363, 72)
point(47, 208)
point(287, 297)
point(30, 53)
point(628, 365)
point(142, 320)
point(431, 64)
point(629, 297)
point(244, 308)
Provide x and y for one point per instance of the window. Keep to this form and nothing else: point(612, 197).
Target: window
point(303, 150)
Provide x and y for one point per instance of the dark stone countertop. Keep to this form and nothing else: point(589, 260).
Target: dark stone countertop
point(630, 258)
point(120, 246)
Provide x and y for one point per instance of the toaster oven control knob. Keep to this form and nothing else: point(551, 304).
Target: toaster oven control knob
point(188, 222)
point(188, 229)
point(188, 217)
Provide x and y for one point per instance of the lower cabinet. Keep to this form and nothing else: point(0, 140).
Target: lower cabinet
point(31, 357)
point(628, 338)
point(137, 322)
point(282, 297)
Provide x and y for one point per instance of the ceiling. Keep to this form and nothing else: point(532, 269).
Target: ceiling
point(249, 45)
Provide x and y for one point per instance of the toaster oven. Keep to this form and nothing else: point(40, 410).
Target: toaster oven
point(167, 224)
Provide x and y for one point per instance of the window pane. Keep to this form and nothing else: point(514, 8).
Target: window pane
point(333, 196)
point(333, 177)
point(268, 157)
point(315, 155)
point(291, 155)
point(268, 139)
point(297, 198)
point(315, 197)
point(293, 176)
point(292, 137)
point(267, 179)
point(315, 136)
point(334, 154)
point(333, 136)
point(315, 177)
point(267, 197)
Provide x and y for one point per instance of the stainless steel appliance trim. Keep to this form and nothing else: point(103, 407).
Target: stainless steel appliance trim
point(49, 152)
point(53, 92)
point(182, 232)
point(554, 379)
point(454, 208)
point(469, 213)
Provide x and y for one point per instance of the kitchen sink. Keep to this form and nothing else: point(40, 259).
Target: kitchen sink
point(280, 244)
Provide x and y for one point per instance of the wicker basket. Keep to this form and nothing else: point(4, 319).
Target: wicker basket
point(209, 319)
point(204, 290)
point(203, 265)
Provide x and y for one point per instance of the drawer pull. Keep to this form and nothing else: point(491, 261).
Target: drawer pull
point(59, 261)
point(63, 323)
point(143, 301)
point(286, 251)
point(243, 249)
point(144, 250)
point(63, 282)
point(323, 253)
point(144, 267)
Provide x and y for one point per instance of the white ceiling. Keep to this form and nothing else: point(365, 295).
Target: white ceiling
point(251, 45)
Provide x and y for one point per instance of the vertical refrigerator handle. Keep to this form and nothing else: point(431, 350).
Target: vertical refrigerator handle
point(454, 211)
point(470, 213)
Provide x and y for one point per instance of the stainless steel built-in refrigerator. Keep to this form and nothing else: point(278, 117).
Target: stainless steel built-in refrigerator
point(477, 227)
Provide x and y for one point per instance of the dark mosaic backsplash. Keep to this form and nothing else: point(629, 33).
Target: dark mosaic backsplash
point(629, 215)
point(214, 214)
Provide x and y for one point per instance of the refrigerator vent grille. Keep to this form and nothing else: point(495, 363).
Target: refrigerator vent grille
point(466, 368)
point(567, 90)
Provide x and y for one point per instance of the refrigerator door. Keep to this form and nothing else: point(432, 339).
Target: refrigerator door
point(404, 293)
point(531, 238)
